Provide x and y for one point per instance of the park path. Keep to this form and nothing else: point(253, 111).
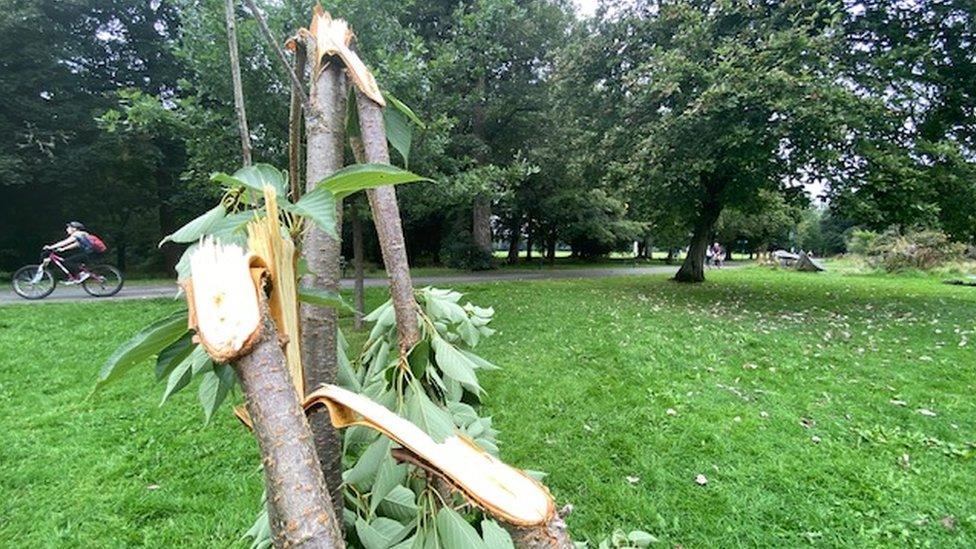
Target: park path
point(156, 291)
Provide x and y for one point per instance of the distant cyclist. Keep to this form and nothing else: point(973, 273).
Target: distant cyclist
point(81, 245)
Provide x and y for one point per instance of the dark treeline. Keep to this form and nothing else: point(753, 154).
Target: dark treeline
point(669, 123)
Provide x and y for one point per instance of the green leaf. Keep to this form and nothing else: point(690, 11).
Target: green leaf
point(389, 475)
point(192, 231)
point(359, 177)
point(419, 357)
point(182, 374)
point(381, 532)
point(171, 356)
point(454, 531)
point(260, 531)
point(495, 536)
point(214, 387)
point(368, 464)
point(403, 108)
point(231, 227)
point(150, 341)
point(478, 361)
point(641, 538)
point(432, 419)
point(255, 178)
point(537, 475)
point(183, 265)
point(322, 298)
point(320, 207)
point(398, 132)
point(400, 504)
point(455, 365)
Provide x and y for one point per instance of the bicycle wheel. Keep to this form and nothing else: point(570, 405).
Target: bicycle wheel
point(103, 281)
point(34, 282)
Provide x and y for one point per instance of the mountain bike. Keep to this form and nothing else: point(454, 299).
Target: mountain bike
point(38, 281)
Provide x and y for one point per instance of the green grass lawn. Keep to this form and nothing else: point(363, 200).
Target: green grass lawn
point(824, 410)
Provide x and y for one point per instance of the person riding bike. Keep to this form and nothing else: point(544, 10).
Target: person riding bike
point(79, 244)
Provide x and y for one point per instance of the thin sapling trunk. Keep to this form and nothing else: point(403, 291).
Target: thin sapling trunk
point(235, 71)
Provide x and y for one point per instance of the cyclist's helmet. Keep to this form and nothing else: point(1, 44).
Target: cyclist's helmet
point(76, 225)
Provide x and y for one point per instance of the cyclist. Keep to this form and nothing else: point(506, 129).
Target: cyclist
point(80, 247)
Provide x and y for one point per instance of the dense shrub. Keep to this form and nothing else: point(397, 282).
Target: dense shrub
point(460, 252)
point(895, 251)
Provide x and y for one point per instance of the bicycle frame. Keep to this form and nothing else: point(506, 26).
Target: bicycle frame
point(58, 261)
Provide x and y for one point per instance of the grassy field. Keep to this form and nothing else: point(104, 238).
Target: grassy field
point(823, 410)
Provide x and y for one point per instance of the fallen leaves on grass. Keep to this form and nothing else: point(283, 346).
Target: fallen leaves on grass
point(701, 480)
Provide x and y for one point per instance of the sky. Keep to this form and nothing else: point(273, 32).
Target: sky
point(586, 8)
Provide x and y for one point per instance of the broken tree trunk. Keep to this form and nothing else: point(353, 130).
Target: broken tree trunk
point(386, 219)
point(235, 71)
point(325, 140)
point(228, 310)
point(523, 504)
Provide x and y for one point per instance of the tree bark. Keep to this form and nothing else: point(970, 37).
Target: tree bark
point(515, 232)
point(481, 222)
point(529, 234)
point(481, 207)
point(298, 499)
point(357, 262)
point(295, 128)
point(551, 248)
point(693, 267)
point(386, 218)
point(325, 127)
point(235, 71)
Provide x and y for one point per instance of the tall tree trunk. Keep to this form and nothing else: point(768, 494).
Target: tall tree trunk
point(693, 267)
point(295, 127)
point(515, 232)
point(357, 262)
point(481, 222)
point(481, 208)
point(235, 71)
point(386, 219)
point(298, 499)
point(529, 234)
point(325, 125)
point(551, 248)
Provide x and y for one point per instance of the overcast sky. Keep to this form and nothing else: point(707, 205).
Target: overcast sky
point(586, 8)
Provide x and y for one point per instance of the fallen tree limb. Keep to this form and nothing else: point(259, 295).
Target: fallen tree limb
point(523, 504)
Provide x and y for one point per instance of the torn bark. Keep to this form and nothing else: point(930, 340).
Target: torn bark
point(325, 127)
point(300, 509)
point(386, 219)
point(235, 71)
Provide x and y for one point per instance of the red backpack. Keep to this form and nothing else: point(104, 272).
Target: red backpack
point(98, 246)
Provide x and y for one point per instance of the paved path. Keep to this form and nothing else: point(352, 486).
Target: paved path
point(69, 293)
